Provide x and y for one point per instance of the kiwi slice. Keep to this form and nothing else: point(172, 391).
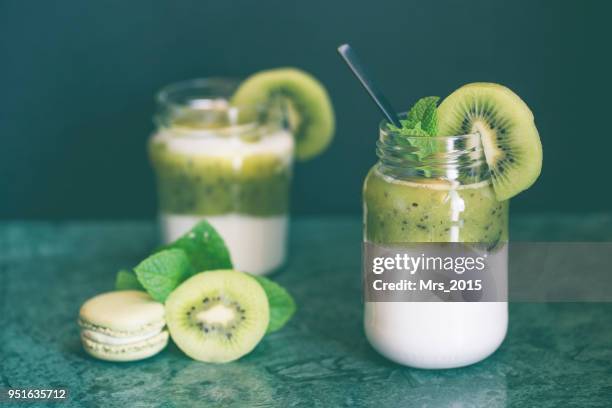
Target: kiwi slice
point(309, 111)
point(217, 316)
point(509, 136)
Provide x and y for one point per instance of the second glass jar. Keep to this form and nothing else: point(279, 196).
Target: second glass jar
point(230, 166)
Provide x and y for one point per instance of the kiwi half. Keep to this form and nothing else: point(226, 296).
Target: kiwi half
point(309, 110)
point(509, 136)
point(217, 316)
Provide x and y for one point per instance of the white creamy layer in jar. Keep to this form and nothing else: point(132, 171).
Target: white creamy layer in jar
point(257, 245)
point(436, 335)
point(279, 143)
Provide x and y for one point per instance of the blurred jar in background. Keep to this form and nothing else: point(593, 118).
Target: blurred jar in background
point(229, 166)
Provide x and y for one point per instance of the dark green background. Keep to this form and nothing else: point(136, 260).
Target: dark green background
point(77, 80)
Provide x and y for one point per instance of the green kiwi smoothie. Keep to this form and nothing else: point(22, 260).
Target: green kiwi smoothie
point(400, 211)
point(200, 177)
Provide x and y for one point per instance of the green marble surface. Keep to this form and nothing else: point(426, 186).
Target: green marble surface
point(555, 355)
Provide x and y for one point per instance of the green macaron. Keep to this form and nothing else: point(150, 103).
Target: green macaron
point(125, 325)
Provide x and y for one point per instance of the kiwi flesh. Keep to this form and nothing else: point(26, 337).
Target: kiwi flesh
point(309, 111)
point(510, 139)
point(217, 316)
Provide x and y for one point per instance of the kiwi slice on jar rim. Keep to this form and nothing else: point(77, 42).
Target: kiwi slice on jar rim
point(309, 111)
point(218, 316)
point(510, 139)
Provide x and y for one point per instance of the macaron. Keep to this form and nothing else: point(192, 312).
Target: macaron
point(125, 325)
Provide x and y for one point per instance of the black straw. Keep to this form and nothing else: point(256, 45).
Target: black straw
point(349, 56)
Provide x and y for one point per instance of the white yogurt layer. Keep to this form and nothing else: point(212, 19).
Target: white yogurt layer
point(439, 334)
point(279, 143)
point(257, 245)
point(436, 334)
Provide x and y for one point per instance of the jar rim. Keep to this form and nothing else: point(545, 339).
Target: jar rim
point(455, 157)
point(177, 93)
point(207, 100)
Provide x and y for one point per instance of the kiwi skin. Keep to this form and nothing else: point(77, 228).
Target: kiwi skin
point(310, 111)
point(511, 141)
point(233, 330)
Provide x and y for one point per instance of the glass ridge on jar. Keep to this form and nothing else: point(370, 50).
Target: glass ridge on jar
point(433, 190)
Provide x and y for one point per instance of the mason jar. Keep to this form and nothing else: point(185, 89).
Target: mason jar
point(433, 195)
point(230, 166)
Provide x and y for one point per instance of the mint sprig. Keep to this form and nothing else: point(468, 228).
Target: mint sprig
point(163, 271)
point(204, 247)
point(420, 122)
point(199, 250)
point(425, 112)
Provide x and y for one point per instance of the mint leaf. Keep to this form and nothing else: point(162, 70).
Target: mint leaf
point(282, 305)
point(420, 123)
point(200, 249)
point(413, 129)
point(421, 120)
point(127, 280)
point(423, 144)
point(204, 247)
point(419, 142)
point(425, 111)
point(163, 271)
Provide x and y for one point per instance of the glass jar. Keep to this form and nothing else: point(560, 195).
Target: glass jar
point(430, 191)
point(230, 166)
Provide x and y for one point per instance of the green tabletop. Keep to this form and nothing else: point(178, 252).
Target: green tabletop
point(555, 355)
